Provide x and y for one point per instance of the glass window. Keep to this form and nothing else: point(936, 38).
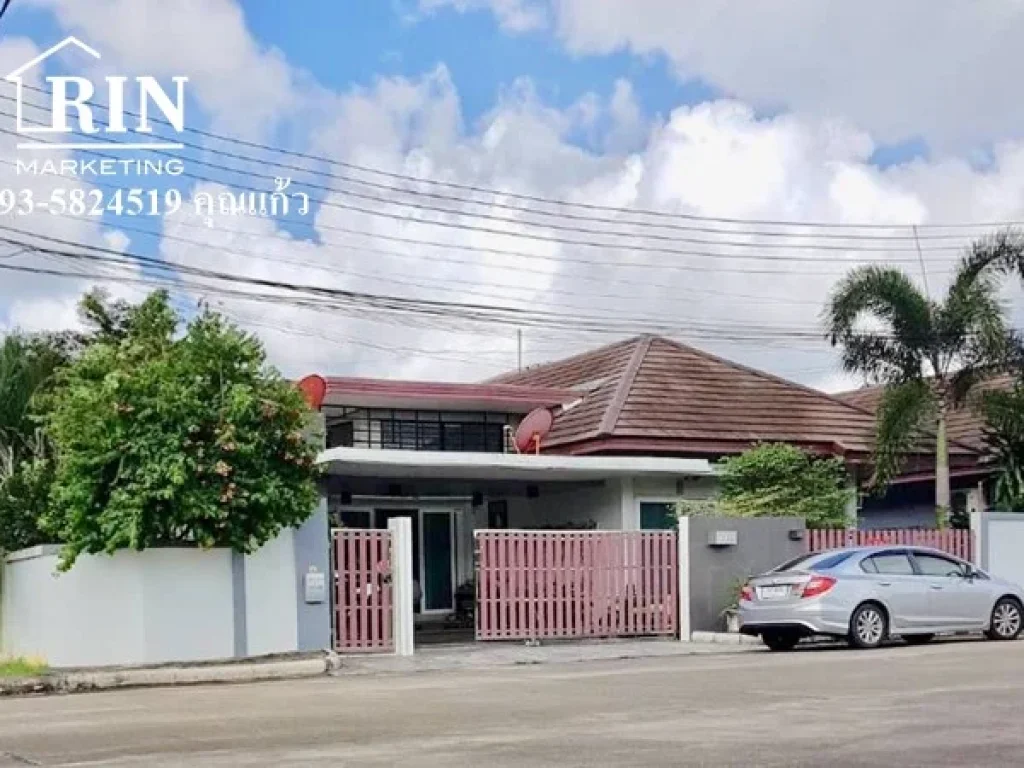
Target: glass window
point(831, 561)
point(893, 563)
point(934, 565)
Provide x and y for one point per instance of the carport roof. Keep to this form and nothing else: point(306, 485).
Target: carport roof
point(369, 462)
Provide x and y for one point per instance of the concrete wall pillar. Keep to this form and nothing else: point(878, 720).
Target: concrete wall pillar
point(312, 542)
point(401, 583)
point(630, 509)
point(853, 505)
point(979, 529)
point(683, 557)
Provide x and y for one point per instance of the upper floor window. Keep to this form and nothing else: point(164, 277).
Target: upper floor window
point(418, 430)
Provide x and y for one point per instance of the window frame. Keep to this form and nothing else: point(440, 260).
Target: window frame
point(914, 555)
point(906, 553)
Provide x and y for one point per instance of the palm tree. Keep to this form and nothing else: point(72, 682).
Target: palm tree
point(929, 355)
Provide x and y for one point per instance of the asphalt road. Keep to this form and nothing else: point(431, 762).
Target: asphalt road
point(954, 704)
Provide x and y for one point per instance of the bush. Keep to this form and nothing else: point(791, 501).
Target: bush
point(163, 440)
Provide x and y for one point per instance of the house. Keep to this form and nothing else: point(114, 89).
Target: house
point(910, 500)
point(636, 426)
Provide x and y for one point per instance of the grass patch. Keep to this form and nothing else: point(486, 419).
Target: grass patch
point(21, 667)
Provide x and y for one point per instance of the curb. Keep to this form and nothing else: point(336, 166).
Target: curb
point(724, 638)
point(81, 681)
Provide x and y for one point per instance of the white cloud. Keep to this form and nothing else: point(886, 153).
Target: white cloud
point(246, 88)
point(943, 70)
point(715, 159)
point(31, 301)
point(514, 15)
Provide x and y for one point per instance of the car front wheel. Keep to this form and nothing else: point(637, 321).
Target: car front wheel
point(869, 626)
point(1005, 623)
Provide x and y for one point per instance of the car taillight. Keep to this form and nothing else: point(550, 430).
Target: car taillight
point(818, 585)
point(747, 593)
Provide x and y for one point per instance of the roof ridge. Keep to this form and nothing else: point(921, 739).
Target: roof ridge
point(614, 409)
point(500, 378)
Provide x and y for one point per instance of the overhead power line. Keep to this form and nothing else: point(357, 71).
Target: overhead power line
point(538, 199)
point(545, 237)
point(633, 248)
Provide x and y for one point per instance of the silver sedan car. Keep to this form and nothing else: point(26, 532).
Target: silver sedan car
point(867, 594)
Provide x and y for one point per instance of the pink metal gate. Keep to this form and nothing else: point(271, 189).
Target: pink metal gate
point(959, 543)
point(547, 584)
point(362, 591)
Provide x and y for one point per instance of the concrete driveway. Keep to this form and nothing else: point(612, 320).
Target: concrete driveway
point(953, 704)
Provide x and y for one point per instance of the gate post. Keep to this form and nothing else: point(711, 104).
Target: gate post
point(401, 584)
point(683, 566)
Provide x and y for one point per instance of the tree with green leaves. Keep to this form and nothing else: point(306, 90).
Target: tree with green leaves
point(781, 480)
point(928, 354)
point(164, 438)
point(1004, 438)
point(28, 365)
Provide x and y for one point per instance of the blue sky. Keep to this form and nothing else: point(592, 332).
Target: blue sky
point(743, 113)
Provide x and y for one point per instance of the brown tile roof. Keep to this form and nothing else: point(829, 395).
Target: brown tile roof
point(965, 425)
point(652, 393)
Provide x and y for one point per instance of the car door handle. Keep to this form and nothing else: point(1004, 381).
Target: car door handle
point(936, 586)
point(885, 583)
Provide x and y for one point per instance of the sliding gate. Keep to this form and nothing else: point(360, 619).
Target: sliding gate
point(363, 594)
point(551, 584)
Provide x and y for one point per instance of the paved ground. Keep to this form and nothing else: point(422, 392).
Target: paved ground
point(955, 704)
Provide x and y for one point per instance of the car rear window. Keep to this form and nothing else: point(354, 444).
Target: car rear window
point(831, 561)
point(818, 561)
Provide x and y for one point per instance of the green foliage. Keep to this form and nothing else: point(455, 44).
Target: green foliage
point(699, 508)
point(1004, 438)
point(930, 355)
point(163, 439)
point(28, 365)
point(20, 666)
point(780, 480)
point(905, 412)
point(24, 496)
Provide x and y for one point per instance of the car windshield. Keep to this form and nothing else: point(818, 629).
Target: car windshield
point(814, 561)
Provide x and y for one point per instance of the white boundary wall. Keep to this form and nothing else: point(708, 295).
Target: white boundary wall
point(160, 605)
point(999, 544)
point(127, 608)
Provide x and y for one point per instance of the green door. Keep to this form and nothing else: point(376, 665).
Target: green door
point(438, 553)
point(657, 516)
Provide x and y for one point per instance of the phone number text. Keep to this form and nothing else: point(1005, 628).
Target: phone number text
point(92, 202)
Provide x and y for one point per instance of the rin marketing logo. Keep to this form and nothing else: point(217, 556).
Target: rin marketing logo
point(71, 111)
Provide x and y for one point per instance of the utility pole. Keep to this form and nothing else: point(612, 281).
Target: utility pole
point(519, 349)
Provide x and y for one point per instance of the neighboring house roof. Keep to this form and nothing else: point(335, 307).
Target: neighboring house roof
point(964, 425)
point(394, 393)
point(654, 394)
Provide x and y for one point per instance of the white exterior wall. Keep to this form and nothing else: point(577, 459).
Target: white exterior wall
point(1003, 544)
point(554, 507)
point(271, 598)
point(187, 603)
point(127, 608)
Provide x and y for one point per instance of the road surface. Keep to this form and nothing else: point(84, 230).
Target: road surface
point(953, 704)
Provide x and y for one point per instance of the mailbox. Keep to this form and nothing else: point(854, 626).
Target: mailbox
point(722, 539)
point(314, 586)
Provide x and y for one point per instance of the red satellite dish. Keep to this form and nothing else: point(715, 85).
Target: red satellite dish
point(314, 389)
point(532, 430)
